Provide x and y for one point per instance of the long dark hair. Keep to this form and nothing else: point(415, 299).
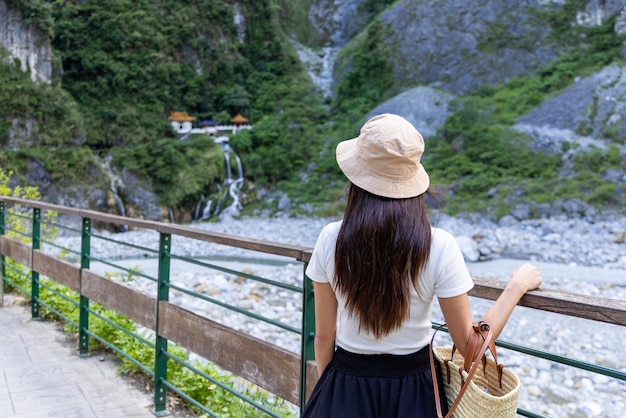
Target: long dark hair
point(382, 246)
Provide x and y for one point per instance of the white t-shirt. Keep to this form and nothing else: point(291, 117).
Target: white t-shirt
point(445, 275)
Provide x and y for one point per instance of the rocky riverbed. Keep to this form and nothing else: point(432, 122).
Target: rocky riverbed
point(576, 255)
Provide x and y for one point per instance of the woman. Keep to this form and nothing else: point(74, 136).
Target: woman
point(375, 276)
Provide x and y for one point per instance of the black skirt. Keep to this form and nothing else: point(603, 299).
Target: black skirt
point(376, 386)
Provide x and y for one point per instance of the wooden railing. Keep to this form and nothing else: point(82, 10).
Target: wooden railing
point(282, 372)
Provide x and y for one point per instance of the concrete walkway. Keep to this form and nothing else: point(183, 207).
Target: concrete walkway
point(42, 376)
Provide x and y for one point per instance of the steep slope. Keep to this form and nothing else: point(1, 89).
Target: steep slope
point(464, 72)
point(121, 68)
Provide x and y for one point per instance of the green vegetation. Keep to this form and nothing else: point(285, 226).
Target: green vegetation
point(375, 6)
point(294, 18)
point(51, 125)
point(472, 155)
point(369, 80)
point(179, 170)
point(52, 111)
point(15, 226)
point(588, 167)
point(499, 37)
point(127, 64)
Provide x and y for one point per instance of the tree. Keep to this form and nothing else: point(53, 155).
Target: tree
point(16, 226)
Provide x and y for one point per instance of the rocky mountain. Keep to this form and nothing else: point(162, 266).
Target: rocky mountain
point(454, 47)
point(451, 48)
point(434, 52)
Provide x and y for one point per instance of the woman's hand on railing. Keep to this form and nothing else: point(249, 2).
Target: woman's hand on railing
point(526, 278)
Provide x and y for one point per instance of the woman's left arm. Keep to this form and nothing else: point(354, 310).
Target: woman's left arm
point(325, 324)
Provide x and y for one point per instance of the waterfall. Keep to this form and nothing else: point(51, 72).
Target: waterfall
point(118, 200)
point(230, 188)
point(226, 150)
point(233, 185)
point(206, 212)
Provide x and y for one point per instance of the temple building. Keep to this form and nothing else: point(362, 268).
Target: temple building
point(239, 120)
point(181, 122)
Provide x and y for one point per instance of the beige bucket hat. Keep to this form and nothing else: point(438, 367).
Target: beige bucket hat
point(385, 158)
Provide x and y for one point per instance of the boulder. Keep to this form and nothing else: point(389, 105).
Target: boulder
point(469, 248)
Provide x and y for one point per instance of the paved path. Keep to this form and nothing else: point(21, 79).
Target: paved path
point(42, 377)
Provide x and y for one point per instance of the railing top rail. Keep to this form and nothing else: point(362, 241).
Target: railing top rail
point(612, 311)
point(606, 310)
point(286, 250)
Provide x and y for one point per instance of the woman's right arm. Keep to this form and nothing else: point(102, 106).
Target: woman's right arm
point(456, 310)
point(523, 279)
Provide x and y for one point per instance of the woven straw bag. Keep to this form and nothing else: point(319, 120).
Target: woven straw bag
point(482, 389)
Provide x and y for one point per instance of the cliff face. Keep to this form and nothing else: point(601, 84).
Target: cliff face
point(336, 21)
point(436, 50)
point(26, 43)
point(453, 46)
point(324, 23)
point(458, 45)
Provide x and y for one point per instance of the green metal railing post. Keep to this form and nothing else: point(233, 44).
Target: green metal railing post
point(160, 361)
point(308, 333)
point(34, 287)
point(2, 269)
point(83, 319)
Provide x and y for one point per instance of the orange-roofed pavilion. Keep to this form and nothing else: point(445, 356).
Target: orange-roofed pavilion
point(181, 117)
point(239, 120)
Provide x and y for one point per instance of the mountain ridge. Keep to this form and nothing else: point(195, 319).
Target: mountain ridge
point(420, 59)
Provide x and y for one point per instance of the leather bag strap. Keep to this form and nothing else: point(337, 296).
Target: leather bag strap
point(479, 331)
